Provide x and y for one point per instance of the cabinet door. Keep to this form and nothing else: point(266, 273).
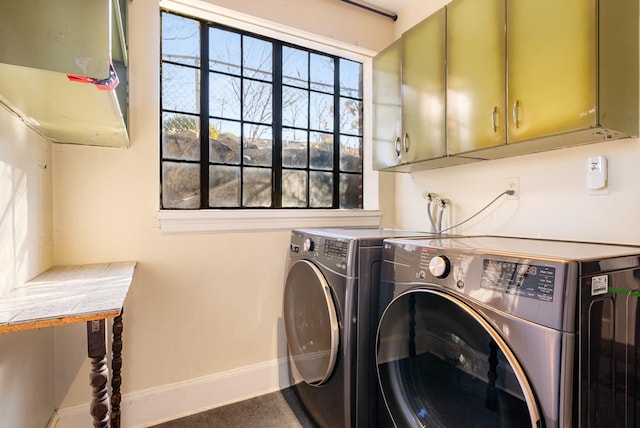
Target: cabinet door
point(423, 89)
point(551, 51)
point(387, 106)
point(476, 73)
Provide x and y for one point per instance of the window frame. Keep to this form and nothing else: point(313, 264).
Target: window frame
point(246, 219)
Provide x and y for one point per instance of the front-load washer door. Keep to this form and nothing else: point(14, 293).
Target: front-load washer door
point(311, 322)
point(440, 364)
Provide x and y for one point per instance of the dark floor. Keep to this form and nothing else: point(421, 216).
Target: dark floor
point(280, 409)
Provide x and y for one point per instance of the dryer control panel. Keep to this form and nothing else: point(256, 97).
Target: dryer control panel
point(330, 252)
point(335, 249)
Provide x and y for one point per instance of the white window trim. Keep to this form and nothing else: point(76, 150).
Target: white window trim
point(243, 220)
point(197, 221)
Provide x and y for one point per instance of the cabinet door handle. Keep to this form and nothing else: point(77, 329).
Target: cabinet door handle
point(494, 119)
point(516, 113)
point(398, 146)
point(406, 142)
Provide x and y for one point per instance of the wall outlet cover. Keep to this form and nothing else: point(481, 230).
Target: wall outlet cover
point(596, 172)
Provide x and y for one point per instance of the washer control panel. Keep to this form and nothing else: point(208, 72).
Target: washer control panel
point(521, 279)
point(527, 286)
point(509, 276)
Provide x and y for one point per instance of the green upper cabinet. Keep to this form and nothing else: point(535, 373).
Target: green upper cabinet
point(409, 86)
point(476, 63)
point(387, 106)
point(66, 36)
point(522, 76)
point(63, 68)
point(552, 66)
point(526, 76)
point(424, 89)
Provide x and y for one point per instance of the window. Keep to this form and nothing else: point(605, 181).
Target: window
point(253, 122)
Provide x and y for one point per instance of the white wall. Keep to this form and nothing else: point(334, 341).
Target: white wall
point(199, 304)
point(328, 18)
point(26, 249)
point(554, 202)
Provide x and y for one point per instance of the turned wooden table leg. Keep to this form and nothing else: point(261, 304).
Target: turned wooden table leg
point(116, 367)
point(97, 350)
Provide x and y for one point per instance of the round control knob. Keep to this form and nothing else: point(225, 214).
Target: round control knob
point(439, 266)
point(308, 245)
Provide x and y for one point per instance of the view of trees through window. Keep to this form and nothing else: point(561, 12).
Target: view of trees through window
point(252, 122)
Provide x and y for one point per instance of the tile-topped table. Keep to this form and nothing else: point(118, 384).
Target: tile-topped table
point(70, 294)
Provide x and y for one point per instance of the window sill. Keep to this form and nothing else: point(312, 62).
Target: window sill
point(206, 221)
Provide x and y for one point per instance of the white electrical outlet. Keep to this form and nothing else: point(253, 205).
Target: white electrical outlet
point(596, 173)
point(513, 183)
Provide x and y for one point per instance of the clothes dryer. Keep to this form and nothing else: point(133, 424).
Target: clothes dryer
point(330, 315)
point(508, 332)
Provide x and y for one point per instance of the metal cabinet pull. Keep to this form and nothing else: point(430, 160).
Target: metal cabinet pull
point(398, 146)
point(494, 119)
point(516, 113)
point(406, 142)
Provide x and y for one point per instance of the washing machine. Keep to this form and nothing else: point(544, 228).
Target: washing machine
point(330, 318)
point(509, 332)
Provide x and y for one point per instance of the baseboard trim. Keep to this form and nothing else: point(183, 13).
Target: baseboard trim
point(156, 405)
